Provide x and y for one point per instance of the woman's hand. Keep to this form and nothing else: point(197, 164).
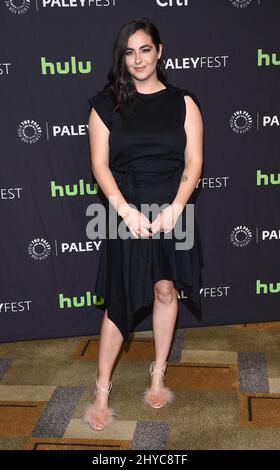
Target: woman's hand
point(137, 223)
point(166, 219)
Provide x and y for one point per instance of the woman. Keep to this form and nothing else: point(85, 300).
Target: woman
point(139, 126)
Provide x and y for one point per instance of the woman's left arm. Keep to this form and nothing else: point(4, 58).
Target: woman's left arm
point(193, 154)
point(167, 218)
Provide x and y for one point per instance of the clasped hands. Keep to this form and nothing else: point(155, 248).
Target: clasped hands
point(140, 226)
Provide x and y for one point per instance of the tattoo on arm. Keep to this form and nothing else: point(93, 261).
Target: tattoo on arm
point(184, 178)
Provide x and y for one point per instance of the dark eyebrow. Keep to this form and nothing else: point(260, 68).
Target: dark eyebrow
point(145, 45)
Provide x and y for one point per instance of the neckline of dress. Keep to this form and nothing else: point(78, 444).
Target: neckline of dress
point(155, 93)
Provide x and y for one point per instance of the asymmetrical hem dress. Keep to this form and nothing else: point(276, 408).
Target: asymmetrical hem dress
point(146, 158)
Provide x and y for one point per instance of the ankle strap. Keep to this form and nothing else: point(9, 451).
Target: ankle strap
point(107, 389)
point(154, 369)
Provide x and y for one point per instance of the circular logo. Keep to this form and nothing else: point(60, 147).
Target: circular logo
point(29, 131)
point(241, 3)
point(18, 8)
point(39, 249)
point(241, 236)
point(241, 122)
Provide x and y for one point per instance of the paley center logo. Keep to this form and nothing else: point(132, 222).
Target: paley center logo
point(241, 236)
point(29, 131)
point(241, 3)
point(241, 122)
point(39, 249)
point(24, 5)
point(18, 8)
point(107, 225)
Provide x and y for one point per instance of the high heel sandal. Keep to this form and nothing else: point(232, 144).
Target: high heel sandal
point(164, 396)
point(93, 415)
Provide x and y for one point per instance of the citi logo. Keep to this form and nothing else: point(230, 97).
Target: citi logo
point(86, 300)
point(270, 288)
point(75, 189)
point(266, 59)
point(71, 67)
point(264, 179)
point(172, 3)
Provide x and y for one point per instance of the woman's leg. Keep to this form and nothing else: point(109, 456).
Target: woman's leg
point(165, 312)
point(109, 346)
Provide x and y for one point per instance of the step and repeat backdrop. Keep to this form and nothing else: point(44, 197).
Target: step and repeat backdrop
point(55, 55)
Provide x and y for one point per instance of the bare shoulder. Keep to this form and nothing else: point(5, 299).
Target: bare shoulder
point(192, 106)
point(193, 120)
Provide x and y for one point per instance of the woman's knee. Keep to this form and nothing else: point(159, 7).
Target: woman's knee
point(164, 291)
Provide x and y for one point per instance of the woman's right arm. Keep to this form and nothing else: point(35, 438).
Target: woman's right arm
point(99, 155)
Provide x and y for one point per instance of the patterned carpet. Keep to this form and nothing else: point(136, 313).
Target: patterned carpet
point(226, 380)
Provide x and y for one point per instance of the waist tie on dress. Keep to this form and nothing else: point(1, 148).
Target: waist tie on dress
point(131, 180)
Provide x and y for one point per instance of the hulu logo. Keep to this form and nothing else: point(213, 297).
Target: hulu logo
point(73, 189)
point(271, 288)
point(87, 300)
point(264, 179)
point(65, 68)
point(267, 59)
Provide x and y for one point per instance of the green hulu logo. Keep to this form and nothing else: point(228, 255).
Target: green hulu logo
point(267, 59)
point(265, 180)
point(271, 288)
point(74, 189)
point(87, 300)
point(65, 68)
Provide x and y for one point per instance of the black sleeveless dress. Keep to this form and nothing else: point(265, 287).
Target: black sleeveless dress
point(146, 158)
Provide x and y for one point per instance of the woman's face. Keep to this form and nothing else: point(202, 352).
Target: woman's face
point(141, 55)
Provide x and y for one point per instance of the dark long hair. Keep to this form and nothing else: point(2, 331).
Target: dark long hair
point(119, 81)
